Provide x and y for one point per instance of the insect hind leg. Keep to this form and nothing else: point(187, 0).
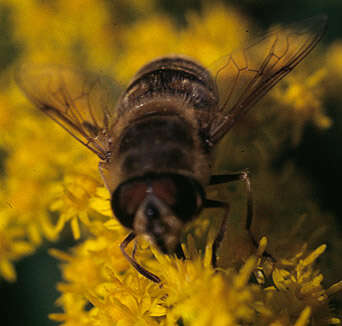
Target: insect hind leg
point(245, 177)
point(239, 176)
point(223, 227)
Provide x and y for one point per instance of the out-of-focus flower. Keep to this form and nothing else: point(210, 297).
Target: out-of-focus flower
point(72, 201)
point(302, 97)
point(13, 245)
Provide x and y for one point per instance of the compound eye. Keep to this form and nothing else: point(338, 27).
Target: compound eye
point(183, 195)
point(126, 199)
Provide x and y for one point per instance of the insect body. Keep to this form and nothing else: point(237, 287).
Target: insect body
point(155, 141)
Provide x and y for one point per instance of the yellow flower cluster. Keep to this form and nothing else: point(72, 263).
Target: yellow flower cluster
point(100, 289)
point(50, 181)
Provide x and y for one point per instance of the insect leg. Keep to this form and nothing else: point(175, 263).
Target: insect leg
point(242, 176)
point(133, 262)
point(220, 234)
point(134, 249)
point(179, 252)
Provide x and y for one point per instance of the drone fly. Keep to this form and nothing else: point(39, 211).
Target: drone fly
point(155, 141)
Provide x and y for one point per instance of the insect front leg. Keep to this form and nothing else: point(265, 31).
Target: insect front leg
point(132, 260)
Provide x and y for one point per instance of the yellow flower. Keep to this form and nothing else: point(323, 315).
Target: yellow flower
point(298, 291)
point(101, 202)
point(13, 246)
point(72, 201)
point(118, 294)
point(65, 37)
point(197, 295)
point(94, 273)
point(106, 292)
point(304, 94)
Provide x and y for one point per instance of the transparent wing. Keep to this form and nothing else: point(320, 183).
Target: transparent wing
point(245, 76)
point(82, 103)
